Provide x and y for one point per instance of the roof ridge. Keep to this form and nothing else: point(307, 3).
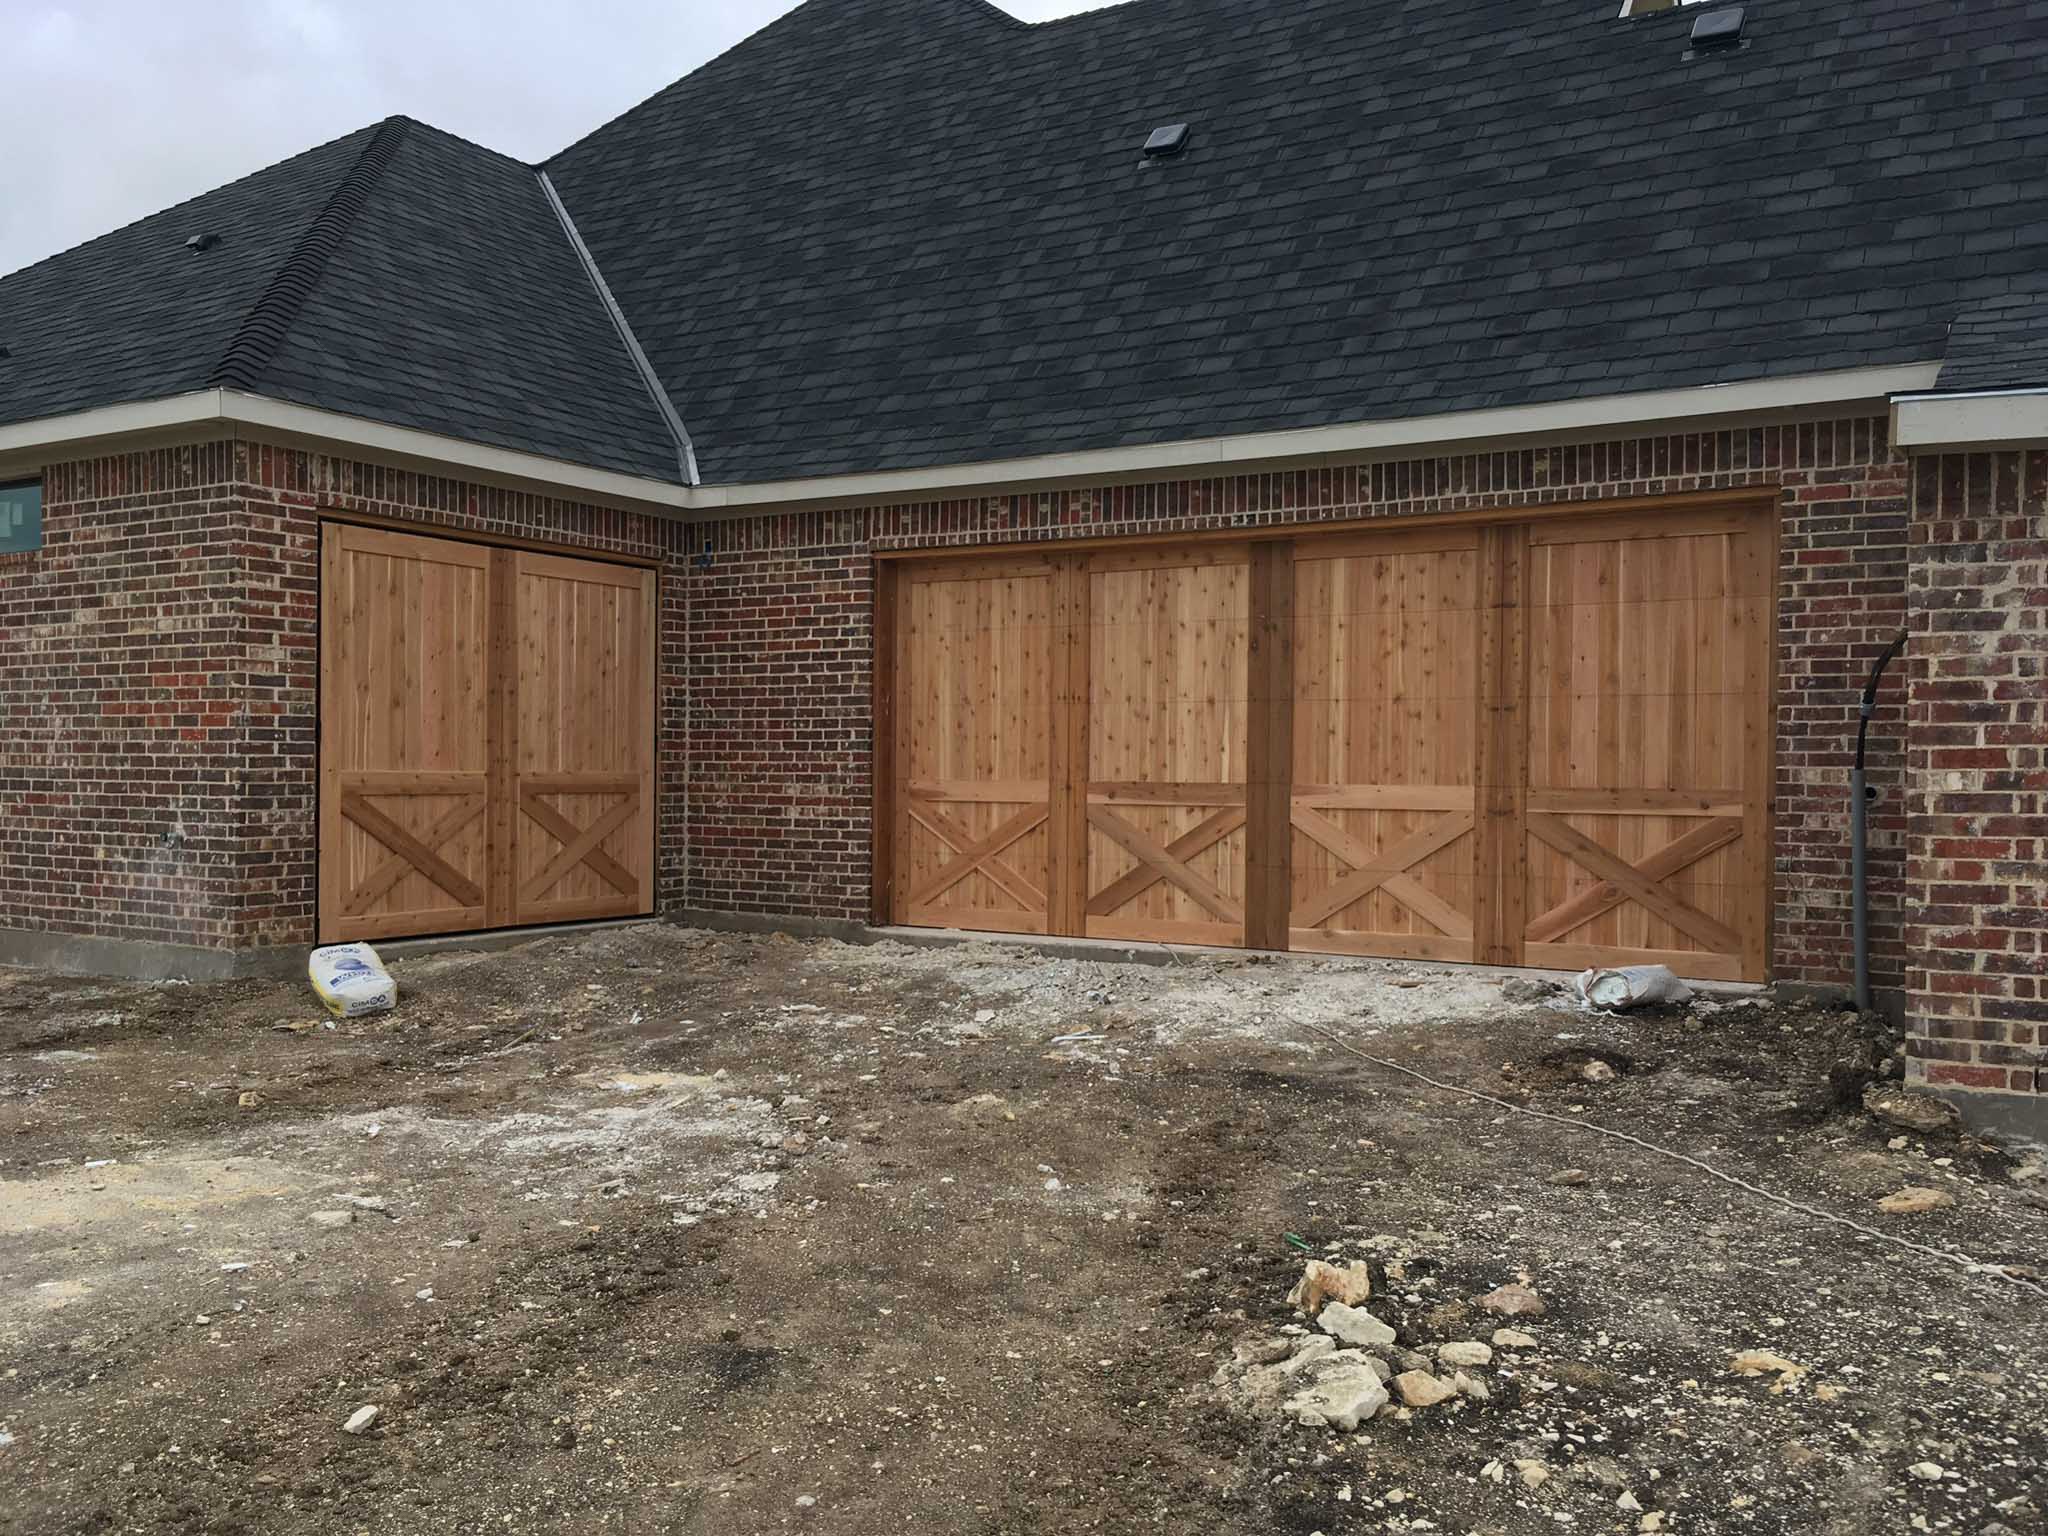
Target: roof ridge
point(263, 330)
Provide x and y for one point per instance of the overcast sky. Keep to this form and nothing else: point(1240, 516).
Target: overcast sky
point(117, 108)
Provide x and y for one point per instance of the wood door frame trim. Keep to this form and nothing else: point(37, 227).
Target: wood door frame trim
point(457, 535)
point(1752, 499)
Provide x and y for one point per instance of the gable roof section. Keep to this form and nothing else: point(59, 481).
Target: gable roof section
point(399, 274)
point(896, 233)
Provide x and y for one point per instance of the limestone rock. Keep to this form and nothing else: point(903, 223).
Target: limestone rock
point(1512, 1338)
point(1915, 1200)
point(1263, 1351)
point(1321, 1282)
point(360, 1421)
point(1419, 1389)
point(1910, 1109)
point(1467, 1385)
point(1761, 1362)
point(1355, 1325)
point(1344, 1393)
point(1465, 1354)
point(1513, 1300)
point(333, 1218)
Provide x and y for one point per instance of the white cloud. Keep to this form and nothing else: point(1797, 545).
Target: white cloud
point(117, 108)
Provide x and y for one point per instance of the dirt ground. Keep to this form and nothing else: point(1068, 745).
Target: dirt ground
point(654, 1230)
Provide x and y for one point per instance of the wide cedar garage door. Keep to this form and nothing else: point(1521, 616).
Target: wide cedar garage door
point(486, 736)
point(1540, 743)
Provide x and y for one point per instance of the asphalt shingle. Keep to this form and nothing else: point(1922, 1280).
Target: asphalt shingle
point(888, 233)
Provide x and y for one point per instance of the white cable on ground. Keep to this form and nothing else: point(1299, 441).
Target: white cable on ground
point(1964, 1261)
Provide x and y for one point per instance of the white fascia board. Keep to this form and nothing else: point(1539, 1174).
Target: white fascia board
point(441, 453)
point(229, 410)
point(226, 411)
point(139, 418)
point(2001, 418)
point(1351, 443)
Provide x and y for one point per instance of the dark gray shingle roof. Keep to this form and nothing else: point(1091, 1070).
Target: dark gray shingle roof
point(398, 274)
point(902, 232)
point(2002, 344)
point(134, 315)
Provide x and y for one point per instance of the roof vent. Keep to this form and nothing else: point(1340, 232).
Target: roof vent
point(205, 242)
point(1717, 29)
point(1170, 140)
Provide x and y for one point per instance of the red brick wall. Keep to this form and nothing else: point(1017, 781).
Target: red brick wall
point(1978, 824)
point(120, 808)
point(765, 715)
point(780, 639)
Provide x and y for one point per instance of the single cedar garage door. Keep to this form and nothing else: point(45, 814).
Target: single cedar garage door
point(1540, 743)
point(486, 736)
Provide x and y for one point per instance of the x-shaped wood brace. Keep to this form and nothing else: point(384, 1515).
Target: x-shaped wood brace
point(411, 852)
point(580, 845)
point(1642, 883)
point(979, 853)
point(1384, 870)
point(1170, 862)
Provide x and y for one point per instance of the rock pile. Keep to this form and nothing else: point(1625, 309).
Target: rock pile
point(1352, 1367)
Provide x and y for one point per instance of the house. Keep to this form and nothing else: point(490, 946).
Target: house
point(1421, 480)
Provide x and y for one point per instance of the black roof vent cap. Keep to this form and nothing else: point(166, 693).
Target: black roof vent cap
point(205, 242)
point(1170, 140)
point(1717, 29)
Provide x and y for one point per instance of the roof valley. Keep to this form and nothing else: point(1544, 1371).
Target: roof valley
point(263, 330)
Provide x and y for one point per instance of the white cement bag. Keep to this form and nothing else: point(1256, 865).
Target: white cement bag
point(1632, 986)
point(351, 980)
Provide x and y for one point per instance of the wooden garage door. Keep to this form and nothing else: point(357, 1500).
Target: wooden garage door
point(1649, 744)
point(486, 736)
point(1544, 742)
point(973, 747)
point(1385, 744)
point(1169, 702)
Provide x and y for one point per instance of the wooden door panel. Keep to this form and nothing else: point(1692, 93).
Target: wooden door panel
point(973, 749)
point(486, 736)
point(1169, 709)
point(1648, 759)
point(404, 684)
point(1542, 742)
point(580, 753)
point(1385, 723)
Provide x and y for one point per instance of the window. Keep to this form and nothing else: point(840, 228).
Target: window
point(21, 518)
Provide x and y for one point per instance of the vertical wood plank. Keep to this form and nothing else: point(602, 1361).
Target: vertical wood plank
point(501, 791)
point(1067, 832)
point(1502, 766)
point(1269, 750)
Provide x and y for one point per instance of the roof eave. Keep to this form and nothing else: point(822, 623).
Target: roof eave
point(24, 445)
point(1959, 421)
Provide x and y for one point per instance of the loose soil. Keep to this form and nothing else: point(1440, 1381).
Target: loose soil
point(655, 1230)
